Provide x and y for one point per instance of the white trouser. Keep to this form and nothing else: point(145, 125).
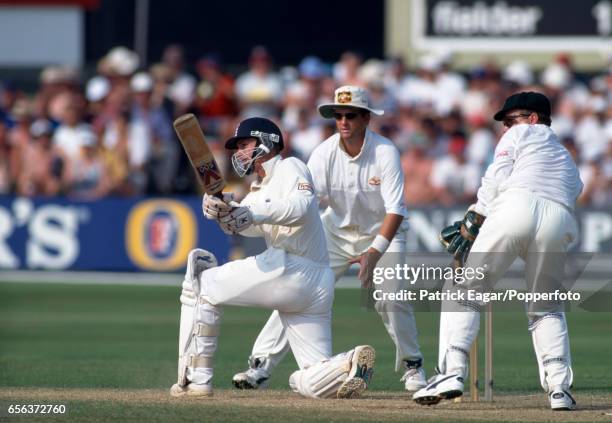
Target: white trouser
point(301, 291)
point(271, 345)
point(539, 231)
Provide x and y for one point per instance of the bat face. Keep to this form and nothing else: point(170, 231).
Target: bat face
point(189, 132)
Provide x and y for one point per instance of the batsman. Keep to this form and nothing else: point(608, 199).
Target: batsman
point(525, 209)
point(291, 276)
point(358, 176)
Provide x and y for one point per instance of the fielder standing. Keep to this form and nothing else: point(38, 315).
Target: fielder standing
point(527, 197)
point(358, 174)
point(292, 276)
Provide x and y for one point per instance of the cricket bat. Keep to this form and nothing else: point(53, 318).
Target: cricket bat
point(189, 132)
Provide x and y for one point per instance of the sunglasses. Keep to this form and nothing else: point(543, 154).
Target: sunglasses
point(347, 116)
point(510, 119)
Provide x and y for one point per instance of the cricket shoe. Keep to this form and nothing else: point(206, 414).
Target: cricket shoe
point(360, 374)
point(561, 400)
point(192, 390)
point(440, 387)
point(414, 378)
point(255, 377)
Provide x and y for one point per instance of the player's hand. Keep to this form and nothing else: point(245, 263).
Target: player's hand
point(214, 207)
point(367, 263)
point(237, 220)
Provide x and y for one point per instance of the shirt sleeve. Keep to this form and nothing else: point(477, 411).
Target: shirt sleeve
point(253, 231)
point(295, 190)
point(392, 183)
point(499, 170)
point(316, 166)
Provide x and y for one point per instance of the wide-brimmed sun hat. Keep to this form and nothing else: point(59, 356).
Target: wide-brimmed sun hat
point(348, 96)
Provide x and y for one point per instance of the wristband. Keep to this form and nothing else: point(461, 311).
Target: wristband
point(380, 244)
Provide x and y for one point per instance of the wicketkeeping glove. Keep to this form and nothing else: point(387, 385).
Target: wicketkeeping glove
point(214, 208)
point(459, 237)
point(237, 220)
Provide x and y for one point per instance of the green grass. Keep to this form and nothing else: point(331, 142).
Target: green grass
point(125, 337)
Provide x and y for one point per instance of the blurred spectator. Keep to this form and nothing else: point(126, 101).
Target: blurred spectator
point(182, 89)
point(19, 136)
point(215, 99)
point(519, 74)
point(417, 168)
point(6, 181)
point(86, 177)
point(440, 119)
point(346, 71)
point(481, 143)
point(119, 64)
point(306, 137)
point(69, 136)
point(43, 178)
point(454, 180)
point(8, 96)
point(96, 91)
point(155, 125)
point(372, 74)
point(130, 138)
point(259, 90)
point(303, 95)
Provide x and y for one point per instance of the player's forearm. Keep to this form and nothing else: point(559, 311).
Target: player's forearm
point(390, 225)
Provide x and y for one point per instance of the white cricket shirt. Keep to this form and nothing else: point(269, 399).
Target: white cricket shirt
point(360, 190)
point(285, 210)
point(530, 158)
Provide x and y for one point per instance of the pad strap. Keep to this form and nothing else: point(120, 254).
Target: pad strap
point(206, 330)
point(200, 361)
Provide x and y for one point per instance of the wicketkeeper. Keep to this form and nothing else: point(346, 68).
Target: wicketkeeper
point(525, 209)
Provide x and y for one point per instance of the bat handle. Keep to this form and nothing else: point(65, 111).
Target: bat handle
point(219, 195)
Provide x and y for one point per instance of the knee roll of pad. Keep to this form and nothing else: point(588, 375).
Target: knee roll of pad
point(322, 379)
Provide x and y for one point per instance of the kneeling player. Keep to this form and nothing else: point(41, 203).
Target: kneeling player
point(292, 276)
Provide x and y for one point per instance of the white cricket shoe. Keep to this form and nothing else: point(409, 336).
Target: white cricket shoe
point(561, 400)
point(414, 378)
point(255, 377)
point(360, 375)
point(192, 390)
point(440, 387)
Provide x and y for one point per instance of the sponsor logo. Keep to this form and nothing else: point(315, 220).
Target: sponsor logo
point(210, 175)
point(40, 237)
point(374, 180)
point(160, 234)
point(503, 153)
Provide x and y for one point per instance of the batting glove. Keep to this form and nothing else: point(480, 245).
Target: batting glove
point(214, 207)
point(237, 220)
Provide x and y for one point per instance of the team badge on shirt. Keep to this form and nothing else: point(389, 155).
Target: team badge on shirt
point(374, 180)
point(304, 186)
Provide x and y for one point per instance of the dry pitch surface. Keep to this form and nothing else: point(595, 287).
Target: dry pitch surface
point(229, 405)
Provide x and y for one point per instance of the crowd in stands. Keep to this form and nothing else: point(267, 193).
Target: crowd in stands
point(110, 134)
